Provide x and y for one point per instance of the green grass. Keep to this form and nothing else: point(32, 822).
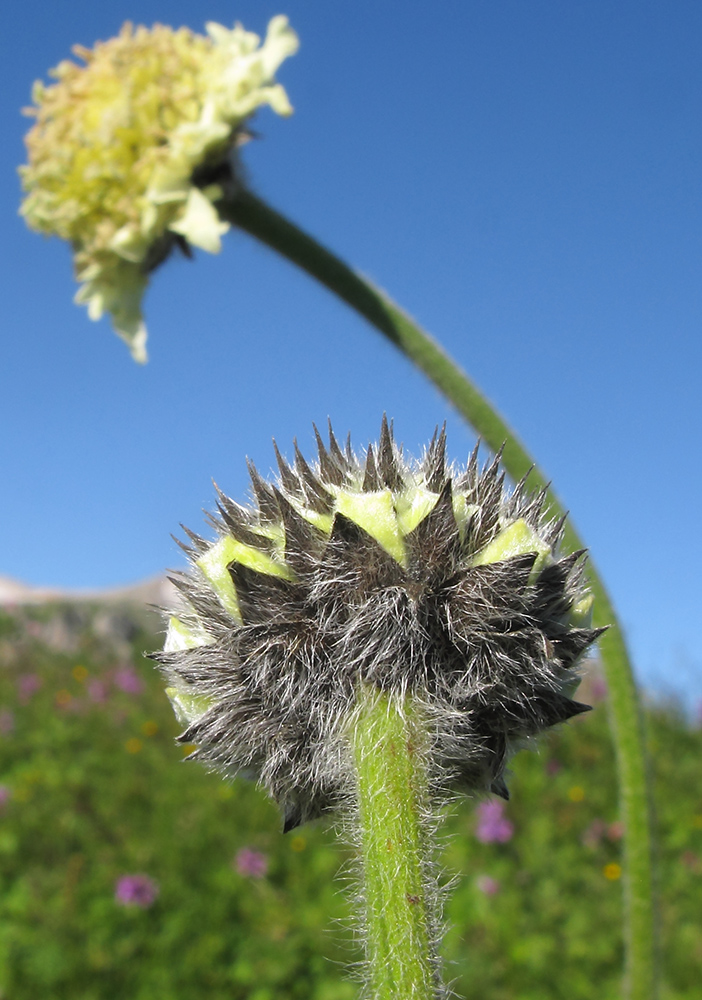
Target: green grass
point(98, 789)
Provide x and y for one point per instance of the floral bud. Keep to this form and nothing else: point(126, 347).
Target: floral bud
point(350, 573)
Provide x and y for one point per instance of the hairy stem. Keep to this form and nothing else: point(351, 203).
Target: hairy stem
point(249, 213)
point(388, 749)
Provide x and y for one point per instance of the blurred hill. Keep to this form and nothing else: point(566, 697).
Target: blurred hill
point(60, 619)
point(156, 590)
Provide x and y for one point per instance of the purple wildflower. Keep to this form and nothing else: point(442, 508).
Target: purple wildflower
point(598, 689)
point(127, 680)
point(615, 831)
point(251, 863)
point(493, 826)
point(136, 890)
point(7, 722)
point(97, 692)
point(27, 685)
point(5, 796)
point(593, 835)
point(487, 885)
point(553, 766)
point(692, 861)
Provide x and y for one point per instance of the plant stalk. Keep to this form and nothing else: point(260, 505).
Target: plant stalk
point(388, 751)
point(248, 212)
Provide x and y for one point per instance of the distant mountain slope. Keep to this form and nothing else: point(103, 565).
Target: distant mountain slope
point(156, 590)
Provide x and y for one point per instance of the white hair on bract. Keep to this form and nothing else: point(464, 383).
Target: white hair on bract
point(410, 577)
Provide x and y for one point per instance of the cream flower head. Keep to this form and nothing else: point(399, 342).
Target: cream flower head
point(119, 143)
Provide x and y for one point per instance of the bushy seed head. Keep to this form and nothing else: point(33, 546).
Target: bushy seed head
point(413, 577)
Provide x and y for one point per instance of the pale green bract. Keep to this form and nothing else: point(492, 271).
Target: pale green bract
point(387, 516)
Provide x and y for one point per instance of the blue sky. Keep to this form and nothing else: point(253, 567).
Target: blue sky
point(523, 178)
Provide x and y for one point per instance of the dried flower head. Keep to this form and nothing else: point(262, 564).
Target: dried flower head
point(407, 577)
point(123, 148)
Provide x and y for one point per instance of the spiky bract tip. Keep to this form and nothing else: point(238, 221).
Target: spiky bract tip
point(413, 577)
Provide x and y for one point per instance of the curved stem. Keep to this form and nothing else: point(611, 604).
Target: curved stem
point(249, 213)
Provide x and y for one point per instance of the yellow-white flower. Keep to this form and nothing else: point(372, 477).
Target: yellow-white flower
point(117, 143)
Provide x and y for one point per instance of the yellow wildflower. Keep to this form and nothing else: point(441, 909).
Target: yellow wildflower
point(123, 148)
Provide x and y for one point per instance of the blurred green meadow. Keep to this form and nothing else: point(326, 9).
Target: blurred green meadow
point(127, 874)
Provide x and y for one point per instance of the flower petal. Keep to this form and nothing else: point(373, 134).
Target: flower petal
point(200, 224)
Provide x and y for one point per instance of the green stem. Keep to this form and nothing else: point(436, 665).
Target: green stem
point(388, 751)
point(249, 213)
